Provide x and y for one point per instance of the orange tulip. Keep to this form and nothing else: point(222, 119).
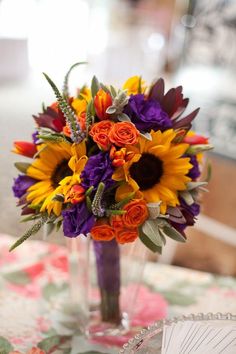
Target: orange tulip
point(102, 101)
point(76, 194)
point(24, 148)
point(195, 139)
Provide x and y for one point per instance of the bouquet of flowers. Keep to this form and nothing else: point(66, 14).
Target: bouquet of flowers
point(115, 164)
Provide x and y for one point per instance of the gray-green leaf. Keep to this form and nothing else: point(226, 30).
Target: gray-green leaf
point(95, 86)
point(148, 243)
point(123, 118)
point(188, 198)
point(146, 136)
point(171, 232)
point(151, 229)
point(22, 166)
point(154, 210)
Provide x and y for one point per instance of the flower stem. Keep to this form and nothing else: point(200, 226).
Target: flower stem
point(108, 272)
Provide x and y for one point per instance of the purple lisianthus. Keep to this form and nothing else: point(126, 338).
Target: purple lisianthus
point(194, 172)
point(35, 137)
point(77, 220)
point(189, 212)
point(97, 169)
point(147, 114)
point(21, 184)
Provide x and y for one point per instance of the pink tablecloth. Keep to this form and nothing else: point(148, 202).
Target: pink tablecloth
point(33, 286)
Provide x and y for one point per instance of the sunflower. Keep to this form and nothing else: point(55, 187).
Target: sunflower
point(156, 171)
point(57, 168)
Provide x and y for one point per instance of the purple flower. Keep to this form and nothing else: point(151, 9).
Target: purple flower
point(189, 212)
point(77, 220)
point(98, 169)
point(147, 114)
point(194, 172)
point(21, 184)
point(34, 137)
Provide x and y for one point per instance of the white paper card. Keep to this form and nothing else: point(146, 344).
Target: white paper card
point(196, 337)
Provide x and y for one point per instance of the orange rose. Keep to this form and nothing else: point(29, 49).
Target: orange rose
point(99, 132)
point(126, 235)
point(116, 221)
point(103, 232)
point(102, 101)
point(123, 133)
point(136, 213)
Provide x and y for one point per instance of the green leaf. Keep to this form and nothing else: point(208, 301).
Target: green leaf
point(140, 84)
point(146, 136)
point(105, 88)
point(123, 117)
point(171, 232)
point(18, 277)
point(154, 210)
point(22, 166)
point(148, 243)
point(111, 110)
point(193, 185)
point(113, 91)
point(110, 212)
point(51, 343)
point(195, 149)
point(31, 218)
point(59, 198)
point(163, 236)
point(89, 191)
point(151, 229)
point(51, 289)
point(188, 198)
point(95, 86)
point(5, 346)
point(88, 203)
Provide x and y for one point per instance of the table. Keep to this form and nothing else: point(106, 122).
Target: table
point(33, 281)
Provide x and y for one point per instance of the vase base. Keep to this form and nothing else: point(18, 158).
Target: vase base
point(97, 328)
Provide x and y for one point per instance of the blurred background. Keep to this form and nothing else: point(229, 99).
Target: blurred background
point(189, 43)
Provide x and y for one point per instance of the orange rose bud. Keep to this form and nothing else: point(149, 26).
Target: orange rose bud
point(126, 235)
point(118, 157)
point(24, 148)
point(103, 232)
point(99, 132)
point(136, 213)
point(76, 194)
point(66, 131)
point(102, 101)
point(124, 133)
point(117, 221)
point(82, 120)
point(195, 139)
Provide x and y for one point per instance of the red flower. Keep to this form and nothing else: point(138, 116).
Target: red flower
point(102, 101)
point(24, 148)
point(195, 139)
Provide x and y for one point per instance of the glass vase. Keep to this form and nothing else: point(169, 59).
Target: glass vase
point(104, 283)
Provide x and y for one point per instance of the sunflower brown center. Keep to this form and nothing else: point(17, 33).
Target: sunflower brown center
point(147, 171)
point(61, 171)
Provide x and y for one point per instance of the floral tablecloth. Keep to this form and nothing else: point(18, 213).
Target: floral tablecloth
point(33, 284)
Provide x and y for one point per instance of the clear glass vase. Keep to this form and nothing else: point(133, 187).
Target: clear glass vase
point(104, 284)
